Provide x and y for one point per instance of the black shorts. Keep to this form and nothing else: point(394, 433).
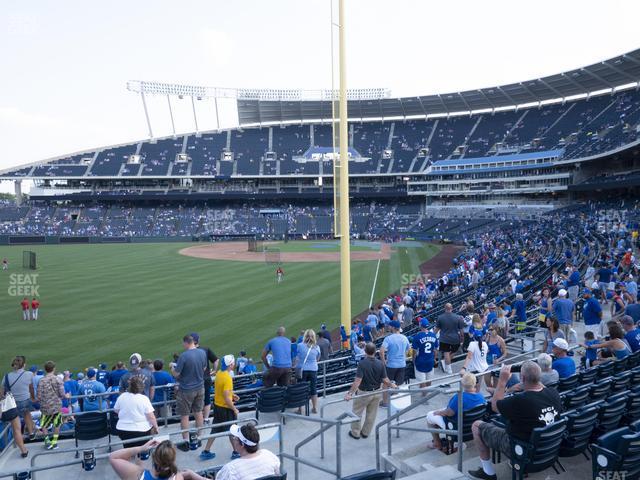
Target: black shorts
point(449, 347)
point(222, 415)
point(311, 377)
point(207, 390)
point(126, 435)
point(396, 375)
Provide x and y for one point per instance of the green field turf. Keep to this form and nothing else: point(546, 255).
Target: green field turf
point(103, 302)
point(317, 246)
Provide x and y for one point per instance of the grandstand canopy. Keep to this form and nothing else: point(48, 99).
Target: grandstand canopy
point(608, 74)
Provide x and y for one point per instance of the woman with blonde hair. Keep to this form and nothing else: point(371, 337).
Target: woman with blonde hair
point(307, 360)
point(163, 463)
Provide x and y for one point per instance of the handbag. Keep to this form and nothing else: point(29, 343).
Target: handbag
point(8, 407)
point(299, 370)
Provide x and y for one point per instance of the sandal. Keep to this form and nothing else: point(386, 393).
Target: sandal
point(24, 454)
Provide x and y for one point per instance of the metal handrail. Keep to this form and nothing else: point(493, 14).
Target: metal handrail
point(33, 469)
point(326, 424)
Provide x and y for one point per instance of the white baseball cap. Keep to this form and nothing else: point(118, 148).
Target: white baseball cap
point(236, 431)
point(561, 343)
point(562, 292)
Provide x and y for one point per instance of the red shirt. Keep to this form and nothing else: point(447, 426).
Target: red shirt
point(35, 304)
point(25, 304)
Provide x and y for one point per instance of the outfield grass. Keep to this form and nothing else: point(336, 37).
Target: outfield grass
point(318, 246)
point(103, 302)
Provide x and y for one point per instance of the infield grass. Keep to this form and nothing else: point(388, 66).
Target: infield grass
point(100, 303)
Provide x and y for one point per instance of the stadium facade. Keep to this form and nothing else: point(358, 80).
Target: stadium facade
point(534, 144)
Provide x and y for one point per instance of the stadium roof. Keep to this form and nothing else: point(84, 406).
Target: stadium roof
point(606, 75)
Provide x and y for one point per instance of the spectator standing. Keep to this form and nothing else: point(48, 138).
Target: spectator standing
point(603, 276)
point(551, 333)
point(20, 383)
point(161, 378)
point(138, 369)
point(116, 375)
point(253, 462)
point(241, 362)
point(632, 333)
point(425, 350)
point(136, 417)
point(325, 347)
point(325, 333)
point(50, 395)
point(451, 329)
point(224, 409)
point(591, 312)
point(370, 376)
point(92, 388)
point(564, 311)
point(279, 370)
point(536, 407)
point(307, 361)
point(102, 375)
point(189, 371)
point(212, 361)
point(519, 313)
point(393, 354)
point(573, 283)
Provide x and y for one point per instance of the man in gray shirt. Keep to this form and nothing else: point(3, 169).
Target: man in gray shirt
point(407, 315)
point(325, 347)
point(370, 375)
point(138, 369)
point(189, 371)
point(451, 328)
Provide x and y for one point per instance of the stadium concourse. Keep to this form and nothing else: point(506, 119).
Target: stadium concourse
point(538, 285)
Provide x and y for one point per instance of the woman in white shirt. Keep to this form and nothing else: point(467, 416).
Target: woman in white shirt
point(254, 462)
point(136, 417)
point(476, 361)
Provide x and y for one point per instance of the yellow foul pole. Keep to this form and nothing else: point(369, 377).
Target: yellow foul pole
point(345, 247)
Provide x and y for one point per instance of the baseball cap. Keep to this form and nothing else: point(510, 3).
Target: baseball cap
point(586, 291)
point(236, 431)
point(79, 375)
point(91, 373)
point(135, 359)
point(627, 320)
point(103, 366)
point(243, 353)
point(562, 292)
point(492, 305)
point(394, 324)
point(323, 326)
point(561, 343)
point(196, 337)
point(227, 360)
point(424, 322)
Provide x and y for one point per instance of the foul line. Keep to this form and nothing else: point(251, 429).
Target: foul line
point(375, 280)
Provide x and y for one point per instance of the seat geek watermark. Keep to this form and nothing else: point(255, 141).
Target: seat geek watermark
point(23, 285)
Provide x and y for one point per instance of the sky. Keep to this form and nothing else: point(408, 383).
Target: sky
point(66, 62)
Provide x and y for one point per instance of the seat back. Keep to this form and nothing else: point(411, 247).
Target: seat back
point(568, 383)
point(468, 417)
point(600, 389)
point(617, 451)
point(620, 365)
point(372, 475)
point(576, 397)
point(297, 395)
point(541, 451)
point(271, 399)
point(611, 413)
point(620, 381)
point(588, 376)
point(605, 370)
point(91, 426)
point(635, 375)
point(580, 425)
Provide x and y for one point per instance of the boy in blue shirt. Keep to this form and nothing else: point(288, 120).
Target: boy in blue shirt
point(92, 387)
point(563, 364)
point(590, 354)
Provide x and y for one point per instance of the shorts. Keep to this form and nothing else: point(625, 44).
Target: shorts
point(423, 376)
point(190, 401)
point(24, 406)
point(277, 375)
point(311, 377)
point(593, 328)
point(449, 347)
point(208, 383)
point(128, 437)
point(222, 415)
point(396, 375)
point(495, 438)
point(54, 420)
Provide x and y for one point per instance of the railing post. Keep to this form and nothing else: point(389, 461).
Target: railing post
point(164, 407)
point(339, 450)
point(324, 380)
point(460, 433)
point(388, 428)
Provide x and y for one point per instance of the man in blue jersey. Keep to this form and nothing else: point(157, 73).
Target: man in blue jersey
point(563, 364)
point(116, 374)
point(102, 375)
point(279, 369)
point(91, 387)
point(425, 351)
point(591, 312)
point(604, 277)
